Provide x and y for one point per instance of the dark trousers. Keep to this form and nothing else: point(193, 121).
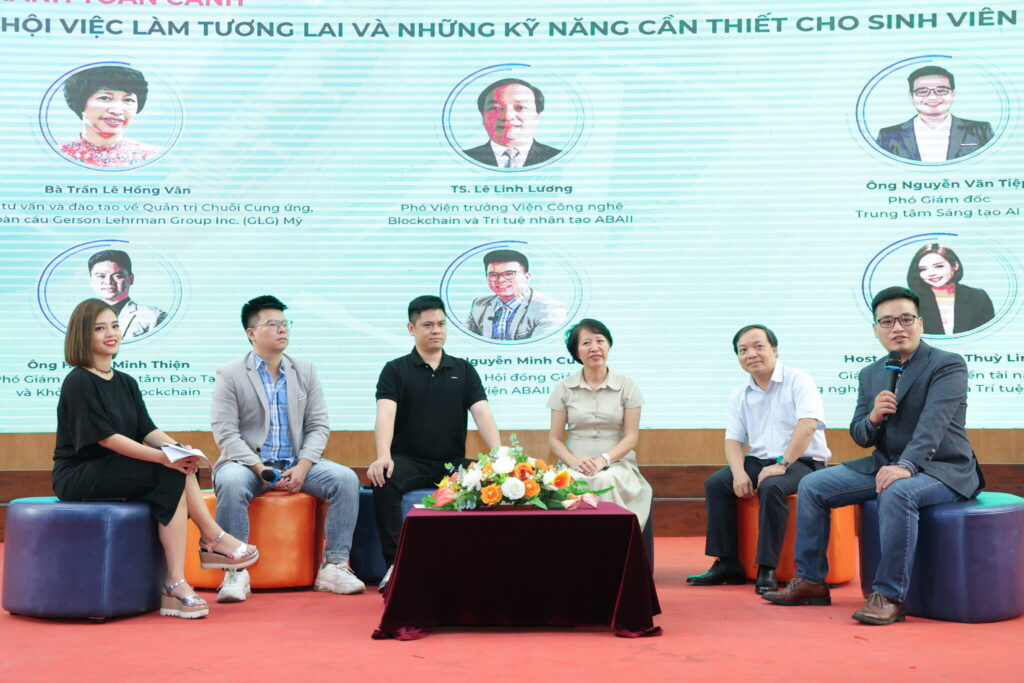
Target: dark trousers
point(409, 474)
point(720, 501)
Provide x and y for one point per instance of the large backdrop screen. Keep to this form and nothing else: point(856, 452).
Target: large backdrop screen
point(695, 167)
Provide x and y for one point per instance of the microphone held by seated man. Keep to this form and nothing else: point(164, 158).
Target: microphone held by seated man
point(921, 457)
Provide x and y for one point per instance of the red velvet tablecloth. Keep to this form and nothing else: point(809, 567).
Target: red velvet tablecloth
point(521, 567)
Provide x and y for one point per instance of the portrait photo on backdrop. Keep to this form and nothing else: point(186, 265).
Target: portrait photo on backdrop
point(947, 305)
point(511, 111)
point(514, 310)
point(934, 134)
point(107, 99)
point(111, 278)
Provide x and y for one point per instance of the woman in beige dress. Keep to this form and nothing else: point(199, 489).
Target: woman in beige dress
point(600, 410)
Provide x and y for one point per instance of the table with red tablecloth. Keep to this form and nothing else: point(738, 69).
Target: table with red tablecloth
point(520, 567)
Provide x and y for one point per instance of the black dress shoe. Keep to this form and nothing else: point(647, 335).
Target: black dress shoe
point(722, 571)
point(766, 580)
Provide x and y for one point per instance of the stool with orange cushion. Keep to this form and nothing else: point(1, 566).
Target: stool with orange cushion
point(283, 526)
point(842, 541)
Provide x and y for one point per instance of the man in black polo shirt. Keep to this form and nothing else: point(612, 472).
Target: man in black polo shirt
point(422, 399)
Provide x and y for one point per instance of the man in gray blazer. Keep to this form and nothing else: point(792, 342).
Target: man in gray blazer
point(922, 457)
point(515, 310)
point(270, 424)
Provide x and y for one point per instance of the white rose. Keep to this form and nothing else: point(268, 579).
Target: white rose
point(513, 489)
point(504, 464)
point(471, 479)
point(549, 476)
point(502, 450)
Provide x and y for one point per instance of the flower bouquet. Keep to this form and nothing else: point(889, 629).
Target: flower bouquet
point(507, 476)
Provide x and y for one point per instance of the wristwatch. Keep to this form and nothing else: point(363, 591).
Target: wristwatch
point(607, 459)
point(782, 461)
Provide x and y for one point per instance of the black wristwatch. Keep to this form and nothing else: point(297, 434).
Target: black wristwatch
point(782, 461)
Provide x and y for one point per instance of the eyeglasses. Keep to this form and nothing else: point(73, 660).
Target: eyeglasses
point(941, 91)
point(493, 276)
point(905, 320)
point(277, 324)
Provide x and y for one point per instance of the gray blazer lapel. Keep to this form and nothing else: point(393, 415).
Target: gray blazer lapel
point(257, 387)
point(910, 375)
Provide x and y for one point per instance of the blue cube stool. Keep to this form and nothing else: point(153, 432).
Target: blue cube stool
point(367, 559)
point(81, 560)
point(969, 564)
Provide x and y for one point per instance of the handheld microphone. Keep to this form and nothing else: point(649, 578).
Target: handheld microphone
point(895, 368)
point(271, 476)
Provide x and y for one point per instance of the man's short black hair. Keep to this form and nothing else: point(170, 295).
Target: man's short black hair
point(930, 71)
point(114, 255)
point(251, 308)
point(538, 96)
point(422, 304)
point(507, 256)
point(572, 337)
point(891, 294)
point(79, 87)
point(772, 339)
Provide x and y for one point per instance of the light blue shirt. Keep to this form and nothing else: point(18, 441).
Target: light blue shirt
point(505, 314)
point(765, 419)
point(278, 446)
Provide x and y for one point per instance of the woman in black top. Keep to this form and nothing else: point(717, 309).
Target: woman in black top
point(108, 448)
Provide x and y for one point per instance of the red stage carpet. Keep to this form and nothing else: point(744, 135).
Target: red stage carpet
point(724, 633)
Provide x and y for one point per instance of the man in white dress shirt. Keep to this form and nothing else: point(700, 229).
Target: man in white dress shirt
point(778, 413)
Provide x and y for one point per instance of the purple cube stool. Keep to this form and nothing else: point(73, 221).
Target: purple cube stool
point(969, 564)
point(81, 560)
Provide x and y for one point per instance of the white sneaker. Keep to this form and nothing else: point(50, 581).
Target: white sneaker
point(338, 578)
point(235, 586)
point(384, 582)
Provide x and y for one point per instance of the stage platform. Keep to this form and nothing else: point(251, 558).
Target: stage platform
point(720, 633)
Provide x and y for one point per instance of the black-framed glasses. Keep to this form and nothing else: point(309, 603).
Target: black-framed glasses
point(277, 324)
point(494, 275)
point(905, 320)
point(941, 91)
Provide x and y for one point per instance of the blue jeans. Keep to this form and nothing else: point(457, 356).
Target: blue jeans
point(236, 485)
point(898, 507)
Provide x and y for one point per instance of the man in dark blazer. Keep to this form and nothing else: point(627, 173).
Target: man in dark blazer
point(511, 109)
point(922, 457)
point(934, 134)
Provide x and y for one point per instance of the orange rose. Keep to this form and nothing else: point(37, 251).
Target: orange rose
point(541, 465)
point(523, 471)
point(490, 495)
point(562, 479)
point(488, 470)
point(532, 488)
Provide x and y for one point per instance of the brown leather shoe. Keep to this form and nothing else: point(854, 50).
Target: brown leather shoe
point(800, 592)
point(880, 611)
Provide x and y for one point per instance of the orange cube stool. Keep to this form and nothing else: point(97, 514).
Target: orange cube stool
point(842, 542)
point(283, 526)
